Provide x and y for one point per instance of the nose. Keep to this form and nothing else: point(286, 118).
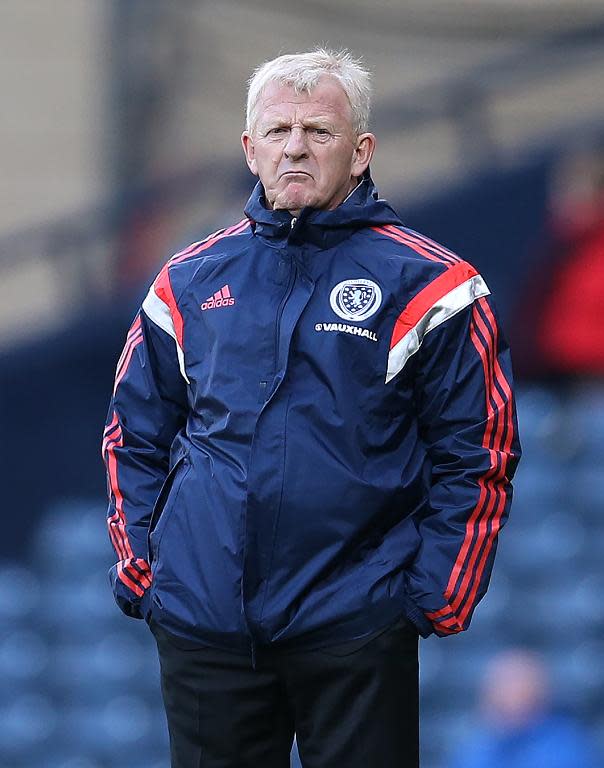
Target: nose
point(296, 147)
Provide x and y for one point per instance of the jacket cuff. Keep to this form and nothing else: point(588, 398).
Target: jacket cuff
point(130, 604)
point(415, 614)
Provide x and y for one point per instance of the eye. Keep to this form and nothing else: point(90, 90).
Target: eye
point(276, 131)
point(321, 134)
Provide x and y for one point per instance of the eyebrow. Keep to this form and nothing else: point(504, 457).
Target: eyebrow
point(278, 122)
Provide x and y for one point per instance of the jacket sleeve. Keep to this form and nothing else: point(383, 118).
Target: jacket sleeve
point(467, 421)
point(147, 410)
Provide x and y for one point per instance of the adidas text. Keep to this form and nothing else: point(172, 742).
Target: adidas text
point(213, 303)
point(221, 298)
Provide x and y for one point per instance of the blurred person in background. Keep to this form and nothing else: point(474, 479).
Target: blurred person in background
point(309, 449)
point(521, 727)
point(558, 330)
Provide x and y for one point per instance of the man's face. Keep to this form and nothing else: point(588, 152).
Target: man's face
point(303, 146)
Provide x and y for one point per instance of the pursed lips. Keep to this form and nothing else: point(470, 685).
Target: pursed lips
point(295, 173)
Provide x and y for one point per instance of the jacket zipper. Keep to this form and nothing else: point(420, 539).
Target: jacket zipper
point(290, 285)
point(276, 383)
point(282, 303)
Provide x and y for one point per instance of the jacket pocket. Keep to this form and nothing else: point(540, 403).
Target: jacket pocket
point(161, 510)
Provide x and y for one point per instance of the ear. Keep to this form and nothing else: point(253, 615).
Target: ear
point(248, 148)
point(363, 153)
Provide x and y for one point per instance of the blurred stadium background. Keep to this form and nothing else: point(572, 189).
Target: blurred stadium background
point(119, 142)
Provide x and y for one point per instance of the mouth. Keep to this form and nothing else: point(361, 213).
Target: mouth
point(285, 174)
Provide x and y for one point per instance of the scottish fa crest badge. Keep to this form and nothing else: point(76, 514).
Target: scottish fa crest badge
point(356, 299)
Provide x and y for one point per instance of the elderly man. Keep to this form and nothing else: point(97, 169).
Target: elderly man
point(309, 449)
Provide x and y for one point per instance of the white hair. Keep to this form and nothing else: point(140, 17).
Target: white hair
point(303, 71)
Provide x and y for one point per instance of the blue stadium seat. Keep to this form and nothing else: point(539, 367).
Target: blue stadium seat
point(149, 759)
point(585, 490)
point(540, 412)
point(27, 723)
point(60, 758)
point(587, 599)
point(578, 673)
point(24, 657)
point(123, 724)
point(81, 607)
point(545, 617)
point(555, 541)
point(597, 728)
point(539, 480)
point(584, 413)
point(73, 534)
point(19, 592)
point(113, 663)
point(443, 732)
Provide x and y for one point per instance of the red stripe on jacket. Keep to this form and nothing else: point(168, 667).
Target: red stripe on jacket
point(125, 578)
point(428, 297)
point(195, 248)
point(116, 522)
point(415, 244)
point(492, 417)
point(163, 285)
point(132, 332)
point(436, 247)
point(499, 479)
point(425, 243)
point(126, 358)
point(132, 578)
point(491, 502)
point(110, 432)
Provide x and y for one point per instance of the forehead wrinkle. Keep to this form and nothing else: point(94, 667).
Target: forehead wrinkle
point(332, 105)
point(275, 116)
point(307, 121)
point(318, 109)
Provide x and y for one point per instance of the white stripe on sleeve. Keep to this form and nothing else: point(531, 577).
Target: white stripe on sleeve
point(158, 312)
point(446, 307)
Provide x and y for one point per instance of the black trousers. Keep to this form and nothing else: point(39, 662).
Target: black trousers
point(353, 705)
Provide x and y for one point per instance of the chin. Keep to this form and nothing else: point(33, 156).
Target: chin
point(292, 204)
point(296, 196)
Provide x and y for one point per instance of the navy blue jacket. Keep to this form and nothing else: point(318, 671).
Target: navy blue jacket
point(312, 433)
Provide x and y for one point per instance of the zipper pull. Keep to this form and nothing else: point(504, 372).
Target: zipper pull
point(293, 222)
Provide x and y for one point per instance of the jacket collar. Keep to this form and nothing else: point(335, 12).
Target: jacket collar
point(324, 229)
